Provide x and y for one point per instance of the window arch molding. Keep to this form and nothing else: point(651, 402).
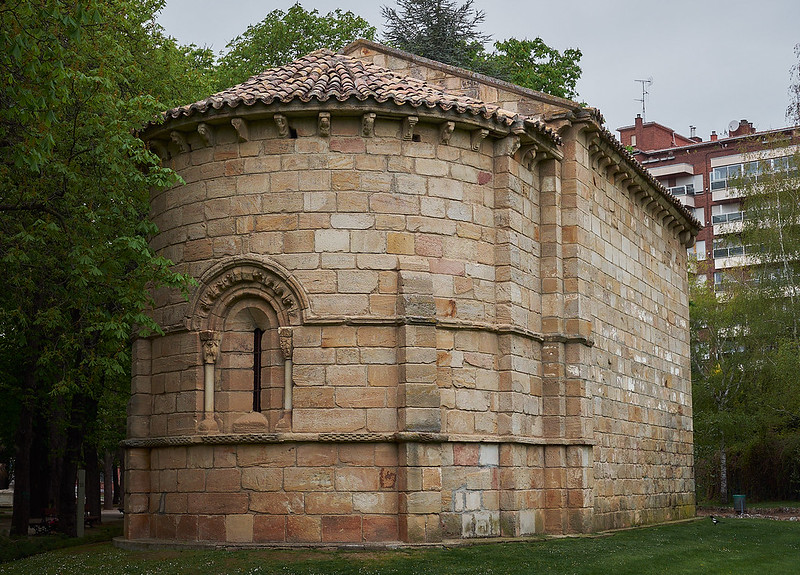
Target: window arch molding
point(237, 279)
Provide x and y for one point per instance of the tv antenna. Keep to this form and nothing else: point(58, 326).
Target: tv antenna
point(645, 85)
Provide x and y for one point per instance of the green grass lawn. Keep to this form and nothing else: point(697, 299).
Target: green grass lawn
point(736, 546)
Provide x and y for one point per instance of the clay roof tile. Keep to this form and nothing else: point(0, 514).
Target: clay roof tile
point(323, 74)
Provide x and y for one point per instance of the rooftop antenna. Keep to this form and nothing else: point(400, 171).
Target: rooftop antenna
point(645, 84)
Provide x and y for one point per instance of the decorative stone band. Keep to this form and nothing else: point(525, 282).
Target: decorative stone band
point(401, 437)
point(441, 323)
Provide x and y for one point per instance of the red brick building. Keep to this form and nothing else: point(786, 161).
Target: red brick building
point(697, 172)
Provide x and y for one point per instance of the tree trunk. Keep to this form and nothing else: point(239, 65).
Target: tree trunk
point(723, 473)
point(21, 514)
point(108, 480)
point(92, 481)
point(67, 504)
point(121, 487)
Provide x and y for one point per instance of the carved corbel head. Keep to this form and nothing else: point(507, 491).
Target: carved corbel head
point(283, 125)
point(207, 133)
point(368, 125)
point(180, 141)
point(445, 131)
point(324, 124)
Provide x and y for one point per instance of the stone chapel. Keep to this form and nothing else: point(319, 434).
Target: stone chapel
point(430, 306)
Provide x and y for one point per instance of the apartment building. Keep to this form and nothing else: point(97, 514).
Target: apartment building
point(701, 174)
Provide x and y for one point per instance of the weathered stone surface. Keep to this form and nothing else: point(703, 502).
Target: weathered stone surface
point(436, 299)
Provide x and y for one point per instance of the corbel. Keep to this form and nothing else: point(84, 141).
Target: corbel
point(207, 133)
point(508, 146)
point(528, 155)
point(408, 126)
point(159, 149)
point(180, 141)
point(324, 124)
point(445, 131)
point(242, 129)
point(283, 125)
point(686, 239)
point(476, 137)
point(368, 125)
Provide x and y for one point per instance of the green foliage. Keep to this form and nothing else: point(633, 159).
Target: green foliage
point(437, 29)
point(746, 341)
point(77, 80)
point(447, 32)
point(535, 65)
point(284, 36)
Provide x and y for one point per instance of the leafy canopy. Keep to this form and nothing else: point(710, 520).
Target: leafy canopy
point(447, 32)
point(285, 36)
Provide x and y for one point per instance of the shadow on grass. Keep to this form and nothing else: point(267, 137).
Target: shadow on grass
point(13, 548)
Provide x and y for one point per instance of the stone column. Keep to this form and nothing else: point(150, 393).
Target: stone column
point(210, 341)
point(552, 276)
point(419, 466)
point(285, 336)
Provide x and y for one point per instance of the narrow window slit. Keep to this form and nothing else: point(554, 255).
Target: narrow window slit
point(257, 333)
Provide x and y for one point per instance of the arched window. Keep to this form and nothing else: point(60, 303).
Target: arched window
point(251, 363)
point(244, 311)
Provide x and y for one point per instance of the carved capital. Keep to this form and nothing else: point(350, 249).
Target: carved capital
point(285, 336)
point(210, 340)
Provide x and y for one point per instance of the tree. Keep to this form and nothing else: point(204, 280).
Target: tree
point(79, 79)
point(437, 29)
point(284, 36)
point(446, 32)
point(793, 111)
point(535, 65)
point(721, 375)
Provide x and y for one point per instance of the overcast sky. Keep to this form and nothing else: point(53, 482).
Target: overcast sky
point(711, 61)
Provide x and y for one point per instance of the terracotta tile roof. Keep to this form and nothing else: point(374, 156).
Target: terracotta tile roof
point(325, 75)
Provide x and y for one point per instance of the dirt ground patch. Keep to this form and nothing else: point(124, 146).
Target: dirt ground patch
point(776, 513)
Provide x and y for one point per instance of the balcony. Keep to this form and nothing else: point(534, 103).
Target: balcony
point(730, 223)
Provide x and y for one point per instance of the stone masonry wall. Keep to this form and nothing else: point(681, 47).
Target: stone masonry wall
point(632, 284)
point(480, 344)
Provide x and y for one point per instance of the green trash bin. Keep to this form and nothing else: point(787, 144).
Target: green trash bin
point(738, 503)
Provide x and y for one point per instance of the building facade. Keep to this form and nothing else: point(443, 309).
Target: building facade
point(429, 306)
point(702, 175)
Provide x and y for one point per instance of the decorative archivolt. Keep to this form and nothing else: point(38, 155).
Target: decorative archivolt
point(244, 278)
